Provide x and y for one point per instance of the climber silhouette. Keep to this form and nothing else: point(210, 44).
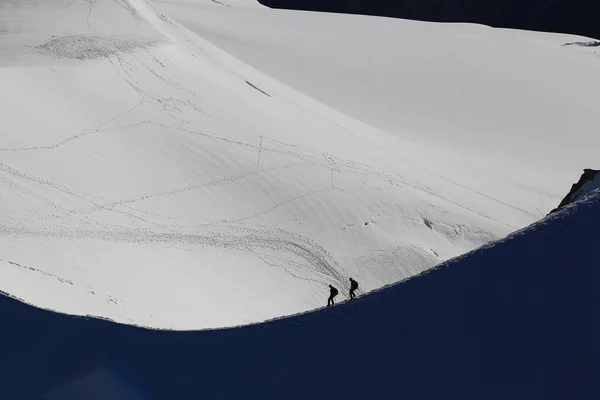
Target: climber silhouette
point(353, 287)
point(332, 293)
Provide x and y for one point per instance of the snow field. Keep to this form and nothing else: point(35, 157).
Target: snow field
point(149, 177)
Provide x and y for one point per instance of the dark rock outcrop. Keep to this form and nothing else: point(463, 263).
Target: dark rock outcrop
point(589, 176)
point(565, 16)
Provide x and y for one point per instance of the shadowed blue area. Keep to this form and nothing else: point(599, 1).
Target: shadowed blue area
point(518, 319)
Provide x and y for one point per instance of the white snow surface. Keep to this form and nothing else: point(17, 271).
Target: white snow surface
point(149, 177)
point(516, 104)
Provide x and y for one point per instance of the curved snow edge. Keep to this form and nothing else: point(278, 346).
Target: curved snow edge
point(590, 200)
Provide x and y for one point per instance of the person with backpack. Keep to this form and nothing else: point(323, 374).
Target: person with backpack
point(353, 287)
point(332, 293)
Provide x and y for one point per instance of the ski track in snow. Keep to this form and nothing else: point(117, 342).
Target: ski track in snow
point(225, 236)
point(331, 162)
point(228, 235)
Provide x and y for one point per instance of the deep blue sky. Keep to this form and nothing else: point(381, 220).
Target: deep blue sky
point(565, 16)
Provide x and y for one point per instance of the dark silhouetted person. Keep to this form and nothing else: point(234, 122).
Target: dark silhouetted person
point(353, 287)
point(332, 293)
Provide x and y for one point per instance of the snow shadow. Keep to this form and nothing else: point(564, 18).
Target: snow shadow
point(514, 320)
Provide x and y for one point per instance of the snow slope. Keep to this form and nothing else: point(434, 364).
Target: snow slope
point(504, 107)
point(149, 177)
point(512, 320)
